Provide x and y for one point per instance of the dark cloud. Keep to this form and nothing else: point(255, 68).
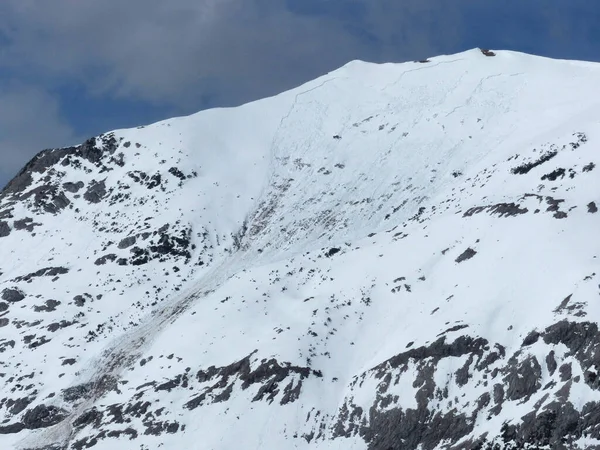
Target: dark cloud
point(29, 119)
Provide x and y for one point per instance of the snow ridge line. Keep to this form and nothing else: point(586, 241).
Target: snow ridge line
point(428, 66)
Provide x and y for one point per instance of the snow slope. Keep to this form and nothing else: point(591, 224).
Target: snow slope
point(397, 256)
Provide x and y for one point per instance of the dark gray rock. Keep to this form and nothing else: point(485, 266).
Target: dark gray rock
point(385, 426)
point(501, 209)
point(179, 380)
point(527, 167)
point(554, 175)
point(551, 362)
point(73, 187)
point(563, 393)
point(78, 392)
point(462, 375)
point(565, 372)
point(557, 427)
point(103, 259)
point(467, 254)
point(12, 428)
point(177, 173)
point(96, 149)
point(498, 393)
point(165, 243)
point(47, 198)
point(4, 345)
point(38, 164)
point(268, 376)
point(26, 224)
point(54, 327)
point(454, 328)
point(522, 378)
point(46, 272)
point(583, 341)
point(4, 229)
point(554, 206)
point(531, 339)
point(95, 192)
point(588, 167)
point(20, 404)
point(12, 295)
point(43, 416)
point(145, 180)
point(463, 345)
point(90, 417)
point(90, 151)
point(412, 429)
point(49, 306)
point(127, 242)
point(332, 251)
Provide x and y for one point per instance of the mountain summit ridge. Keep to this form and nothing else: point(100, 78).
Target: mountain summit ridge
point(394, 256)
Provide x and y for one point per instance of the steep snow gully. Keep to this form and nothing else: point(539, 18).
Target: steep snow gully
point(396, 256)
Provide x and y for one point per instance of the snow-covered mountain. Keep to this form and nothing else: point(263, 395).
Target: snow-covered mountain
point(397, 256)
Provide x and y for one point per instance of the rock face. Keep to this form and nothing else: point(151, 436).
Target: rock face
point(425, 279)
point(12, 295)
point(4, 229)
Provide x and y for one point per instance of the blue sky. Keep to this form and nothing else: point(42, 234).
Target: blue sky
point(70, 69)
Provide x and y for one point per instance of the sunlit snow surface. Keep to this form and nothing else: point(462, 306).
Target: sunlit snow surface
point(342, 266)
